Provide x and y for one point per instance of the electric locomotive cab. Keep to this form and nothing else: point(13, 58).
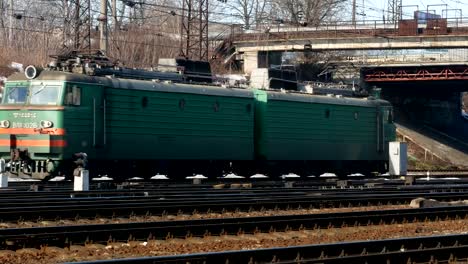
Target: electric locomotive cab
point(32, 138)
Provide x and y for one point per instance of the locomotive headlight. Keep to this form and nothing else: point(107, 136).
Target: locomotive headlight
point(46, 124)
point(4, 124)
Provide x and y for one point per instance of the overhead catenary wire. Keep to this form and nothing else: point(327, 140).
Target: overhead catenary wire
point(122, 41)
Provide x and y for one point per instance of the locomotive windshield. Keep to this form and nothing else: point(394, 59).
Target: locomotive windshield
point(44, 94)
point(15, 95)
point(34, 94)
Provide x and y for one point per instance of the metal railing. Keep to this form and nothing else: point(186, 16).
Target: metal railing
point(458, 25)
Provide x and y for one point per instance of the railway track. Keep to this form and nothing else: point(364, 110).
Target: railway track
point(190, 191)
point(439, 173)
point(70, 209)
point(433, 249)
point(303, 182)
point(36, 206)
point(65, 236)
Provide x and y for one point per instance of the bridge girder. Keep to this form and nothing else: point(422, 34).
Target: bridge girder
point(415, 73)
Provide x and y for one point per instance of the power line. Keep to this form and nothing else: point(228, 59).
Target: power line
point(181, 9)
point(121, 41)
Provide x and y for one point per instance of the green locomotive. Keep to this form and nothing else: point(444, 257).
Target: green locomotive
point(142, 127)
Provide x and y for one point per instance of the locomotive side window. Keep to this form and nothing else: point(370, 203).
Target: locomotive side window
point(181, 104)
point(144, 102)
point(388, 116)
point(248, 108)
point(73, 95)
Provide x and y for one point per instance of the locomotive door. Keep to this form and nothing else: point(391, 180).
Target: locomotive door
point(384, 127)
point(380, 130)
point(99, 118)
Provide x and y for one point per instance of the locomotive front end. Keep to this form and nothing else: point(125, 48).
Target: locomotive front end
point(32, 138)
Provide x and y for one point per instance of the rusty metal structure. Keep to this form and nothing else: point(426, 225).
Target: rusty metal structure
point(393, 10)
point(415, 73)
point(194, 30)
point(441, 26)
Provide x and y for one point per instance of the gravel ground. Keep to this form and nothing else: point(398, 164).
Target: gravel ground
point(221, 243)
point(196, 216)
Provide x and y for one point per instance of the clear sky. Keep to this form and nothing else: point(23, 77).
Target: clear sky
point(374, 9)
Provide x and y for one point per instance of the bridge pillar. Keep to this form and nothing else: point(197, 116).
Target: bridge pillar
point(250, 61)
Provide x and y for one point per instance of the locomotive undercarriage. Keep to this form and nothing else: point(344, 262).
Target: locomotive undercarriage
point(22, 166)
point(120, 170)
point(179, 169)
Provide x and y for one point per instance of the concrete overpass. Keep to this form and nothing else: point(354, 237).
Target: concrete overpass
point(249, 46)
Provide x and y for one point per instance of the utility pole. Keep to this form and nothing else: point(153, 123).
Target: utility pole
point(10, 35)
point(194, 29)
point(77, 25)
point(81, 35)
point(114, 15)
point(103, 26)
point(394, 10)
point(354, 12)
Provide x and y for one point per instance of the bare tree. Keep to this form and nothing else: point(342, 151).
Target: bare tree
point(141, 40)
point(307, 12)
point(146, 31)
point(249, 12)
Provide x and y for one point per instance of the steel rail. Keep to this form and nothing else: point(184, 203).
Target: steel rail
point(278, 184)
point(64, 236)
point(333, 194)
point(11, 197)
point(147, 207)
point(430, 249)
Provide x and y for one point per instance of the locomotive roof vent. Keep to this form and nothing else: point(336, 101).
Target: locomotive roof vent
point(31, 72)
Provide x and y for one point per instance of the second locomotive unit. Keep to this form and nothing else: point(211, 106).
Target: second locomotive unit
point(131, 127)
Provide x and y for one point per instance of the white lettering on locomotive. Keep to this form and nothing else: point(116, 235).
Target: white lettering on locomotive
point(24, 125)
point(24, 115)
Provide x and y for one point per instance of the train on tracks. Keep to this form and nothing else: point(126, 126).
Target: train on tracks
point(131, 127)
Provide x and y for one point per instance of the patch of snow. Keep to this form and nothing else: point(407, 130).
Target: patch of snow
point(258, 176)
point(103, 178)
point(328, 175)
point(21, 180)
point(232, 176)
point(135, 179)
point(198, 176)
point(290, 175)
point(17, 66)
point(160, 177)
point(57, 178)
point(311, 176)
point(356, 175)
